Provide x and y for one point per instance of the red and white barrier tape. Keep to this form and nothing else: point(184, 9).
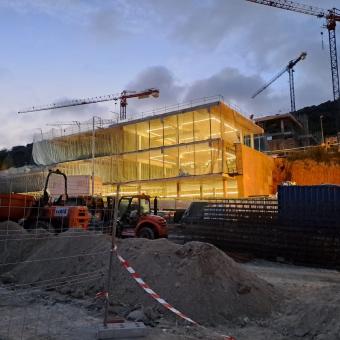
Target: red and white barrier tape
point(103, 294)
point(150, 291)
point(142, 284)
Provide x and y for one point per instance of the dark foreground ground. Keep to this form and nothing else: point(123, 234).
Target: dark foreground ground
point(311, 310)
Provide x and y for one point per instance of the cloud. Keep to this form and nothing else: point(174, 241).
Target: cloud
point(115, 20)
point(68, 10)
point(229, 82)
point(234, 86)
point(21, 128)
point(155, 77)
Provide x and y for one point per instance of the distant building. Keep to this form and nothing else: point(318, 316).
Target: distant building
point(282, 131)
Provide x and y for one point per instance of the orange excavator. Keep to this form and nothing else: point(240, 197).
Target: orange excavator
point(56, 216)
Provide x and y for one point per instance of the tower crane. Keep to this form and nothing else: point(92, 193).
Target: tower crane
point(332, 16)
point(290, 69)
point(122, 97)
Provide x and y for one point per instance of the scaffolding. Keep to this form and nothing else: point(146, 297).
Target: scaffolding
point(187, 150)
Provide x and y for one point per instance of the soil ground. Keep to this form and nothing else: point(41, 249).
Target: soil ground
point(310, 309)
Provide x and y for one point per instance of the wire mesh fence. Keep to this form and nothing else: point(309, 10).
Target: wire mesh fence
point(55, 245)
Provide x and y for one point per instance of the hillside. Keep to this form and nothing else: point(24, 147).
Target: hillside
point(16, 157)
point(331, 117)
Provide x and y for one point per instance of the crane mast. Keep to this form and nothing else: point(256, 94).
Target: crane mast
point(123, 96)
point(290, 69)
point(332, 16)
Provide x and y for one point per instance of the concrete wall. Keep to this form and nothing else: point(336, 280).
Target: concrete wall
point(257, 169)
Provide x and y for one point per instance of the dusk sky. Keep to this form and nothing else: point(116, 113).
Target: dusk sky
point(52, 50)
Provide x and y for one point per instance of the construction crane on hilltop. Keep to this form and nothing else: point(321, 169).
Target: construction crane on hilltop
point(331, 16)
point(290, 69)
point(123, 96)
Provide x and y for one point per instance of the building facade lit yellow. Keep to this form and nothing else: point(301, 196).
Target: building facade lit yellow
point(194, 152)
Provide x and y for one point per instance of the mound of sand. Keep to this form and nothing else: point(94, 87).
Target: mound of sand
point(17, 244)
point(196, 278)
point(11, 228)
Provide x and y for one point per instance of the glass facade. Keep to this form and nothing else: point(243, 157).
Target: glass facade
point(181, 154)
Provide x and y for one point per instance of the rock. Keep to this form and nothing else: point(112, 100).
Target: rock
point(243, 289)
point(8, 278)
point(138, 316)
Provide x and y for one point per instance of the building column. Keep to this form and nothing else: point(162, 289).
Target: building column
point(178, 189)
point(139, 170)
point(225, 188)
point(241, 136)
point(252, 141)
point(282, 124)
point(240, 186)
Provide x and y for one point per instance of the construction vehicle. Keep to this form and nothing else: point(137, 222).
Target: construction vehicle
point(135, 217)
point(54, 215)
point(14, 207)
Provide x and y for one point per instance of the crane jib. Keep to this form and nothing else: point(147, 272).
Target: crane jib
point(122, 97)
point(295, 7)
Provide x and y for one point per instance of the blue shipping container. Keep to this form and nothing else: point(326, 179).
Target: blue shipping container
point(317, 205)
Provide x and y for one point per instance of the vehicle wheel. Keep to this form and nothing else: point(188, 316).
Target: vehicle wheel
point(146, 232)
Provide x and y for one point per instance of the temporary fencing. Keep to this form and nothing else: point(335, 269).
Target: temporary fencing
point(32, 255)
point(29, 228)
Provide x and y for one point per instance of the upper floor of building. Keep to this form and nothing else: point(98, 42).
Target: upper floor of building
point(183, 126)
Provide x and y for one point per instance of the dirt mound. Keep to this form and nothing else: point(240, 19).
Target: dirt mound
point(10, 228)
point(17, 244)
point(314, 315)
point(196, 278)
point(62, 257)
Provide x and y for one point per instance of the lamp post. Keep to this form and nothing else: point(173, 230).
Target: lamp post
point(93, 151)
point(321, 125)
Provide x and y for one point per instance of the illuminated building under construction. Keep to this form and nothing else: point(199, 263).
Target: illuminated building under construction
point(200, 150)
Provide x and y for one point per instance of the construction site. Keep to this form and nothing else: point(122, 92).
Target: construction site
point(193, 220)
